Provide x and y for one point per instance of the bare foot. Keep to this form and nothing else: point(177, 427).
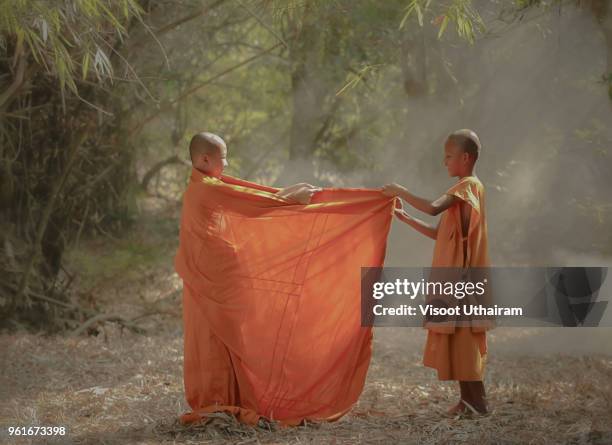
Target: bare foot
point(476, 408)
point(456, 409)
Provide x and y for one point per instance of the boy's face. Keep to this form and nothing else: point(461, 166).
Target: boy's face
point(214, 163)
point(455, 159)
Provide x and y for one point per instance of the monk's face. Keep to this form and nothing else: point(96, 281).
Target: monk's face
point(214, 162)
point(455, 159)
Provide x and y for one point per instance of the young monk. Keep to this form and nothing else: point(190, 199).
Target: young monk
point(461, 241)
point(208, 370)
point(209, 155)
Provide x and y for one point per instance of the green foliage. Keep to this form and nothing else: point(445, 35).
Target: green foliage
point(124, 258)
point(338, 78)
point(415, 6)
point(355, 78)
point(524, 4)
point(462, 13)
point(63, 170)
point(67, 39)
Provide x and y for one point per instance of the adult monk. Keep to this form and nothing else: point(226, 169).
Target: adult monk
point(271, 287)
point(456, 352)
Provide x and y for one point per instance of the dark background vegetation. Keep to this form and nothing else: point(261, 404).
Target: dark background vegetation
point(98, 101)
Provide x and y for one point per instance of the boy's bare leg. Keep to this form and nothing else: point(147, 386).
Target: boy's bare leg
point(472, 392)
point(460, 407)
point(475, 396)
point(478, 396)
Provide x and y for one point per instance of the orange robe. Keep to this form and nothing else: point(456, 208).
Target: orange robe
point(271, 300)
point(459, 352)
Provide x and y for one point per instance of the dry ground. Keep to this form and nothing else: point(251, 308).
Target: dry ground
point(544, 386)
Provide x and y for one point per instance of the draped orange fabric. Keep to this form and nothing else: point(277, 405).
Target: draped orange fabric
point(448, 250)
point(459, 353)
point(271, 299)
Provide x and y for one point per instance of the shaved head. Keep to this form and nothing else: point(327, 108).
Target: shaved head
point(205, 143)
point(467, 140)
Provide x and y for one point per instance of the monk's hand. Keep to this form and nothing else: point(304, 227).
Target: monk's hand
point(392, 189)
point(286, 191)
point(399, 212)
point(305, 184)
point(303, 194)
point(398, 209)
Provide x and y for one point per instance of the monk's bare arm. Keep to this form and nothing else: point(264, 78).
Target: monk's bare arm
point(421, 226)
point(424, 205)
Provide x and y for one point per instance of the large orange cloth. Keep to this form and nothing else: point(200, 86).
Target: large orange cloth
point(271, 299)
point(456, 352)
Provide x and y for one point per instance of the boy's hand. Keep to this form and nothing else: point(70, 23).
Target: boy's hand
point(398, 210)
point(286, 191)
point(393, 189)
point(399, 213)
point(302, 194)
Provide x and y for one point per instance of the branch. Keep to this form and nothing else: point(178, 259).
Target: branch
point(329, 116)
point(17, 81)
point(192, 90)
point(107, 317)
point(264, 24)
point(195, 15)
point(263, 156)
point(44, 220)
point(146, 179)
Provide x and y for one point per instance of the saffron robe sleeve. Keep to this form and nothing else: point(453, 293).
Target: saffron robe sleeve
point(271, 299)
point(459, 352)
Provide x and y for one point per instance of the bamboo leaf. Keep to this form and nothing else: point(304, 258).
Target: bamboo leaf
point(419, 12)
point(45, 30)
point(443, 26)
point(408, 13)
point(85, 64)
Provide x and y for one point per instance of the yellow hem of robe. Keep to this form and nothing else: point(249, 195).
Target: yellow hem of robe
point(460, 356)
